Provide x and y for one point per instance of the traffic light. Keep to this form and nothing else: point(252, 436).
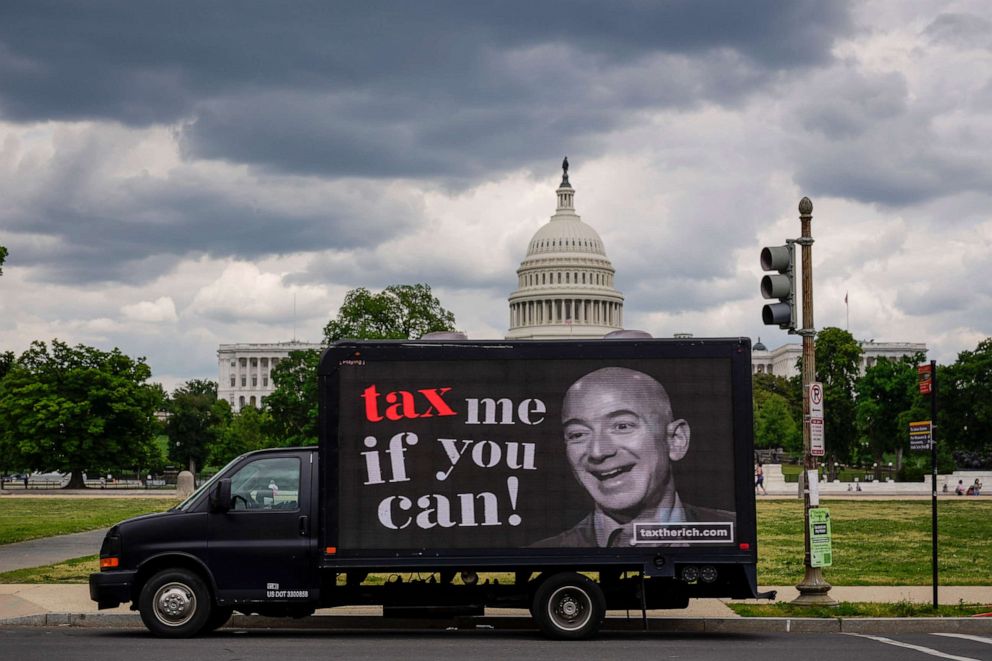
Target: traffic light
point(781, 286)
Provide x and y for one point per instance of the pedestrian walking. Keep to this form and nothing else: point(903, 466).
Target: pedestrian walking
point(759, 479)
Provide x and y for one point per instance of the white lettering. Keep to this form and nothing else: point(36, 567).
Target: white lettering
point(529, 407)
point(450, 446)
point(386, 511)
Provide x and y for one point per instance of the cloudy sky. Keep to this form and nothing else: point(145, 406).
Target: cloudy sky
point(175, 175)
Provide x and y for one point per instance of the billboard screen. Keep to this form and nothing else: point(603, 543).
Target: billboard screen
point(569, 453)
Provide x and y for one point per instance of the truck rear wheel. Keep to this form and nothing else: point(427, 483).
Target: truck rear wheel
point(569, 606)
point(175, 603)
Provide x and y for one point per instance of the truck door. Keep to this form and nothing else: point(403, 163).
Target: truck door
point(260, 550)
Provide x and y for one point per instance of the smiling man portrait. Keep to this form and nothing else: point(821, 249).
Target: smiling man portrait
point(622, 439)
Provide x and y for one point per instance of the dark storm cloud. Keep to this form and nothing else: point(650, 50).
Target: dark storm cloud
point(387, 89)
point(149, 224)
point(965, 30)
point(896, 168)
point(856, 103)
point(863, 137)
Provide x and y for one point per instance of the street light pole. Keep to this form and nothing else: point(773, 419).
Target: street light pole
point(814, 589)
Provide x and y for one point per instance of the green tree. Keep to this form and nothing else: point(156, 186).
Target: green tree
point(888, 400)
point(774, 426)
point(965, 398)
point(196, 421)
point(396, 313)
point(7, 360)
point(777, 412)
point(293, 404)
point(838, 356)
point(246, 432)
point(73, 408)
point(3, 258)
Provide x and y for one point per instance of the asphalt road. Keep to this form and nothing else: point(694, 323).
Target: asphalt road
point(68, 644)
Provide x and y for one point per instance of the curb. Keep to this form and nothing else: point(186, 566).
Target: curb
point(751, 625)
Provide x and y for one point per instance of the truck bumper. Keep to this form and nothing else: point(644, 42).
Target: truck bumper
point(112, 588)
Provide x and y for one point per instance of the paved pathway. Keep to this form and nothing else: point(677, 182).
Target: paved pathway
point(49, 550)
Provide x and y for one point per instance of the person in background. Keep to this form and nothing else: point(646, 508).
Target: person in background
point(759, 479)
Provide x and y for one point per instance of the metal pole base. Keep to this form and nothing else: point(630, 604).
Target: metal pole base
point(814, 589)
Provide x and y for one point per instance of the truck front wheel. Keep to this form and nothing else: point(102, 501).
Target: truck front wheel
point(569, 606)
point(175, 603)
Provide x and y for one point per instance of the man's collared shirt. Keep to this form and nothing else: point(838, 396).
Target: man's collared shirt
point(606, 528)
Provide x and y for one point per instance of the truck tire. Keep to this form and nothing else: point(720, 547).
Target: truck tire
point(175, 603)
point(569, 606)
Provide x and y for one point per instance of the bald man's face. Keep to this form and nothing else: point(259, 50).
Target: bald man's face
point(616, 427)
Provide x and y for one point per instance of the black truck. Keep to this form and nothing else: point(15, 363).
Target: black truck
point(566, 477)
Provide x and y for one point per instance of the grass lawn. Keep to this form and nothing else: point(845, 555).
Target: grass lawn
point(77, 570)
point(880, 542)
point(858, 609)
point(32, 518)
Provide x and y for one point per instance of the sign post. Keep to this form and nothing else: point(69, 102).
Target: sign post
point(813, 589)
point(928, 386)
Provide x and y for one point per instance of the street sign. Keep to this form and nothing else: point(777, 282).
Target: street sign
point(925, 374)
point(817, 446)
point(814, 397)
point(920, 435)
point(820, 546)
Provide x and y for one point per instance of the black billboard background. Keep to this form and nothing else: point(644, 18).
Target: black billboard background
point(548, 498)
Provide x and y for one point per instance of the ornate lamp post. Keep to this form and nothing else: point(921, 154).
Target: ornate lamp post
point(814, 588)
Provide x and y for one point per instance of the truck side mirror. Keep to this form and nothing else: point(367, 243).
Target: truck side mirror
point(220, 499)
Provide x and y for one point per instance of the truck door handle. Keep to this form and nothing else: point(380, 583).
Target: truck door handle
point(303, 525)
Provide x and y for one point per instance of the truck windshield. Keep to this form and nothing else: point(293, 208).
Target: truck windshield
point(185, 505)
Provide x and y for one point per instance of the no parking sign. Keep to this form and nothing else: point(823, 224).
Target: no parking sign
point(814, 396)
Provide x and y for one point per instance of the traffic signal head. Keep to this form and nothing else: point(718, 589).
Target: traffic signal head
point(781, 286)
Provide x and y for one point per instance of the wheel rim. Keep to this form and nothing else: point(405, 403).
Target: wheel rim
point(569, 608)
point(174, 604)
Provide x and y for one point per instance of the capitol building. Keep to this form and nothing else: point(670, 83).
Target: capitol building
point(565, 283)
point(565, 290)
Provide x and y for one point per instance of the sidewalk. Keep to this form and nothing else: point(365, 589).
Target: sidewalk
point(69, 605)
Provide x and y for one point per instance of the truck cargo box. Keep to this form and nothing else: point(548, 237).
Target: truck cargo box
point(506, 452)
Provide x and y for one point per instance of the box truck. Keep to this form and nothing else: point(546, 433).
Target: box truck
point(565, 477)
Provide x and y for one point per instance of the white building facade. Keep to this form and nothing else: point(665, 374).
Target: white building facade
point(565, 283)
point(782, 361)
point(245, 370)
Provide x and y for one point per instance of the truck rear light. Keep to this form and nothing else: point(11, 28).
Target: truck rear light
point(109, 563)
point(745, 546)
point(331, 550)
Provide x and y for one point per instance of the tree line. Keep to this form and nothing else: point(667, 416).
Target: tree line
point(867, 415)
point(77, 409)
